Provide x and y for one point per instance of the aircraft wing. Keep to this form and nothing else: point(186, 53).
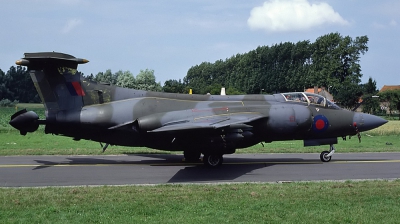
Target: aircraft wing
point(234, 120)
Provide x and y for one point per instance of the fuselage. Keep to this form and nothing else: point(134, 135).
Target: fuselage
point(129, 121)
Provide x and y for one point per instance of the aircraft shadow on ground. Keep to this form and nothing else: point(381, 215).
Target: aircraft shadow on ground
point(160, 160)
point(223, 173)
point(232, 169)
point(190, 172)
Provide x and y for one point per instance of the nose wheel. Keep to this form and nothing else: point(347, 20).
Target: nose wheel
point(326, 156)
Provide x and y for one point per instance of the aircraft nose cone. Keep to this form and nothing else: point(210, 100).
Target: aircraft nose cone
point(365, 122)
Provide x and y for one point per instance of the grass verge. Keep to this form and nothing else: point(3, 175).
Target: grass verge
point(326, 202)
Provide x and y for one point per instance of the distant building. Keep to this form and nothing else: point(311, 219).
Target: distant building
point(320, 91)
point(323, 92)
point(386, 88)
point(385, 105)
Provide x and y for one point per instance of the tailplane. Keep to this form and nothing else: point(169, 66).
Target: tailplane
point(56, 79)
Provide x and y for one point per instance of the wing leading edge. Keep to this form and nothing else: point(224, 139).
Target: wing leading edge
point(233, 120)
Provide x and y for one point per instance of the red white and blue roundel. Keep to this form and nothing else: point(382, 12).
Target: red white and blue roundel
point(320, 123)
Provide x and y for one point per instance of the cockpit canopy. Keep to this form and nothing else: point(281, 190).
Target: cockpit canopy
point(310, 98)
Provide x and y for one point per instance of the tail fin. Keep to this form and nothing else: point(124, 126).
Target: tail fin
point(56, 79)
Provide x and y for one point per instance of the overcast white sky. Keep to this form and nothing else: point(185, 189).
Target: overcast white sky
point(171, 36)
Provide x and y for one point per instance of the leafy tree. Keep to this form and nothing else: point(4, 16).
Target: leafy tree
point(199, 77)
point(8, 103)
point(4, 91)
point(174, 86)
point(335, 62)
point(370, 103)
point(17, 85)
point(332, 60)
point(233, 91)
point(214, 89)
point(126, 79)
point(348, 94)
point(106, 77)
point(146, 80)
point(90, 77)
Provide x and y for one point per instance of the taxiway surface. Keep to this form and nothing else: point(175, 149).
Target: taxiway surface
point(27, 171)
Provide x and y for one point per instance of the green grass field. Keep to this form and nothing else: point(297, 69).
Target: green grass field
point(325, 202)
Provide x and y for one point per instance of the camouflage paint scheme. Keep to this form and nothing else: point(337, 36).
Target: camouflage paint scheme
point(207, 124)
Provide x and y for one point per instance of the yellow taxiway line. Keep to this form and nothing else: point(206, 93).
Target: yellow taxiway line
point(184, 164)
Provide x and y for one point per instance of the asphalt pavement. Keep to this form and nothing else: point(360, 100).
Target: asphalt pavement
point(29, 171)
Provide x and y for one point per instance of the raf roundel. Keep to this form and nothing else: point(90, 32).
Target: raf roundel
point(320, 123)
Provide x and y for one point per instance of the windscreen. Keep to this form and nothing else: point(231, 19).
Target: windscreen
point(332, 105)
point(310, 98)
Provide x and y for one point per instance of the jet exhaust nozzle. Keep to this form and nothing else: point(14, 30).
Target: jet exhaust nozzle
point(25, 121)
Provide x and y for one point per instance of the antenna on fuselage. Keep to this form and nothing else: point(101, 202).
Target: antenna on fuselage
point(223, 91)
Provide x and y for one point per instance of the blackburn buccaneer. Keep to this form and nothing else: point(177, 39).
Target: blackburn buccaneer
point(212, 125)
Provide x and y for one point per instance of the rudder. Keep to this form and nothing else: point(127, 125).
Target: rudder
point(56, 79)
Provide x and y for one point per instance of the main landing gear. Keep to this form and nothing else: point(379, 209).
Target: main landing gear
point(209, 159)
point(326, 156)
point(191, 156)
point(213, 160)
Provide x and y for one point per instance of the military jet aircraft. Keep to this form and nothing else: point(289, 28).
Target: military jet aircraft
point(212, 125)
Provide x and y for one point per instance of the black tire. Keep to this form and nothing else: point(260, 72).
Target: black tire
point(324, 158)
point(213, 160)
point(191, 155)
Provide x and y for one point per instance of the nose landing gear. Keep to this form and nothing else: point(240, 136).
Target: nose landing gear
point(326, 156)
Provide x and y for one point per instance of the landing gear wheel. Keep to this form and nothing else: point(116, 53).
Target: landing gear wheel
point(213, 160)
point(324, 156)
point(191, 156)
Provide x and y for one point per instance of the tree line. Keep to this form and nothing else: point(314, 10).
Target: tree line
point(332, 61)
point(145, 80)
point(16, 84)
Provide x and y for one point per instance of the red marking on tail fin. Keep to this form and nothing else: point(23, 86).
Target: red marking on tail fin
point(78, 88)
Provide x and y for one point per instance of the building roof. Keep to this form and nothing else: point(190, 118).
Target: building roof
point(311, 90)
point(386, 88)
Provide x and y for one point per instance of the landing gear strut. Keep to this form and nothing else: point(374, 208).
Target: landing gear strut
point(326, 156)
point(191, 156)
point(213, 160)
